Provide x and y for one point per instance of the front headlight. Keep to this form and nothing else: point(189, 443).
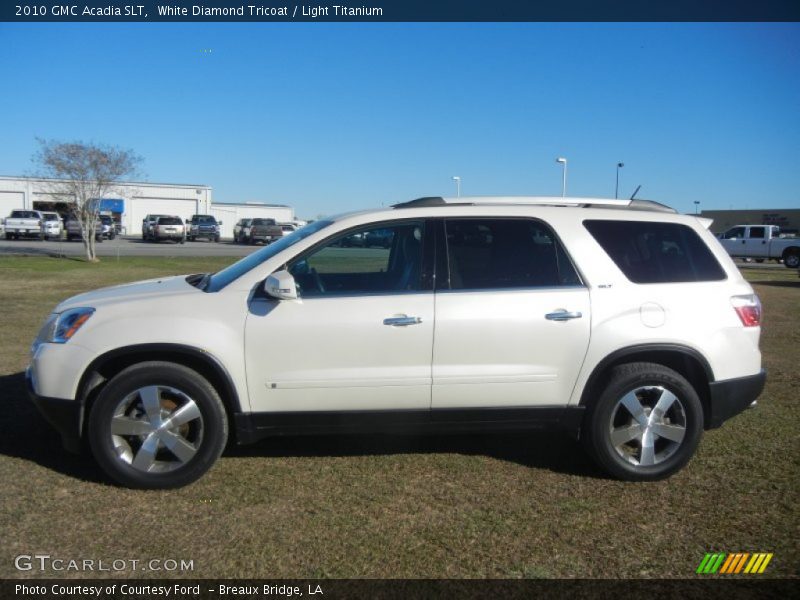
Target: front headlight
point(69, 322)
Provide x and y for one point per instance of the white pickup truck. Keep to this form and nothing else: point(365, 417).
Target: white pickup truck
point(761, 242)
point(23, 223)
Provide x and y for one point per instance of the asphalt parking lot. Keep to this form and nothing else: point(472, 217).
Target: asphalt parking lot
point(125, 246)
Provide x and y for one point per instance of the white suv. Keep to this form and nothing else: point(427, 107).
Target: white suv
point(620, 322)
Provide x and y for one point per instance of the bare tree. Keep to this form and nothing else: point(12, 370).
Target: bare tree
point(85, 173)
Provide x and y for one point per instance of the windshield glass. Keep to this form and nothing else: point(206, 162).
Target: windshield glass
point(222, 278)
point(205, 219)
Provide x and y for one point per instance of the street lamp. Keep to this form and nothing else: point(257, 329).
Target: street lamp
point(457, 179)
point(616, 189)
point(696, 206)
point(563, 161)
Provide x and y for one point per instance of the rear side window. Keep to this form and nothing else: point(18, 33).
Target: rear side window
point(656, 252)
point(505, 253)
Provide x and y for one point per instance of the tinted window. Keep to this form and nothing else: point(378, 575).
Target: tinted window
point(758, 232)
point(342, 267)
point(656, 252)
point(732, 234)
point(505, 253)
point(170, 221)
point(263, 221)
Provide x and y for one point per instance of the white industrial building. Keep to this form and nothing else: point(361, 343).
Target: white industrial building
point(131, 201)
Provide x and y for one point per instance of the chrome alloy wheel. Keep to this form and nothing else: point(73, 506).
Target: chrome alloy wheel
point(648, 425)
point(156, 429)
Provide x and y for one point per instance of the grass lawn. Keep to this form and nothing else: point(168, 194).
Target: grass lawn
point(480, 506)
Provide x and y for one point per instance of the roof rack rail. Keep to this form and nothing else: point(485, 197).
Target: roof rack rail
point(537, 201)
point(426, 201)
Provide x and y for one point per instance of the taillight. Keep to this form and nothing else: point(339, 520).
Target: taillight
point(748, 308)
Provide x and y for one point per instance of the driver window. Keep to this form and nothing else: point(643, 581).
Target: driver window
point(375, 260)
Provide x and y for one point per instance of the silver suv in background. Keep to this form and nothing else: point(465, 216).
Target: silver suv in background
point(169, 228)
point(148, 223)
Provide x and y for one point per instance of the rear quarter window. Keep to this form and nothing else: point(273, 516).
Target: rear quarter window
point(651, 252)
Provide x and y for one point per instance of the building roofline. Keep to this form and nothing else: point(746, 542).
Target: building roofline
point(131, 183)
point(251, 204)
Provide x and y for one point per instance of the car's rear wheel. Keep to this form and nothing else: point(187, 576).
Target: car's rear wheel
point(157, 425)
point(646, 424)
point(791, 259)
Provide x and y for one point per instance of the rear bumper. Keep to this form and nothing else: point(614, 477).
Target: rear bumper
point(732, 396)
point(64, 415)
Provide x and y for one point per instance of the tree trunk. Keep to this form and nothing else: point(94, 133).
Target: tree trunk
point(91, 253)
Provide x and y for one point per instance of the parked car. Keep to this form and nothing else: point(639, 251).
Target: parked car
point(265, 230)
point(622, 323)
point(108, 227)
point(203, 226)
point(169, 228)
point(74, 231)
point(761, 242)
point(241, 231)
point(24, 223)
point(53, 226)
point(288, 228)
point(148, 223)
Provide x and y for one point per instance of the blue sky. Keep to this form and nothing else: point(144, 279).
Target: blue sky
point(330, 117)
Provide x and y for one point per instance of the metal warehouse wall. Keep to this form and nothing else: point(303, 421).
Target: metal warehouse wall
point(140, 198)
point(788, 219)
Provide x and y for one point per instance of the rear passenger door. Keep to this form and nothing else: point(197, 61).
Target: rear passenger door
point(756, 242)
point(512, 316)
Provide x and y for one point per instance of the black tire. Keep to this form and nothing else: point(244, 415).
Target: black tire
point(649, 381)
point(791, 259)
point(205, 434)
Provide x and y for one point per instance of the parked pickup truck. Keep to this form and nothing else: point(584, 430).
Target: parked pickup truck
point(761, 242)
point(265, 230)
point(24, 223)
point(203, 226)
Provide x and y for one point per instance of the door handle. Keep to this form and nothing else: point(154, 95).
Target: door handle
point(402, 321)
point(562, 315)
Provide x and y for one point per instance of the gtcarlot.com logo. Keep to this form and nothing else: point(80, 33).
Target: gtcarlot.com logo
point(737, 563)
point(46, 562)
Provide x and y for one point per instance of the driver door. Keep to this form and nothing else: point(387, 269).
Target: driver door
point(359, 336)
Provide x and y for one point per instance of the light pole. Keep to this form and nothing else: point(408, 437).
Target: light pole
point(696, 206)
point(563, 161)
point(457, 179)
point(616, 189)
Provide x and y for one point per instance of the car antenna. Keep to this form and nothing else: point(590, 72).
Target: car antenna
point(636, 191)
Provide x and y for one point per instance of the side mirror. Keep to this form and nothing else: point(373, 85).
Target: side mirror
point(281, 285)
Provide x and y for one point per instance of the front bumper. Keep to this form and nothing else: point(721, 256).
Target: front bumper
point(65, 415)
point(731, 396)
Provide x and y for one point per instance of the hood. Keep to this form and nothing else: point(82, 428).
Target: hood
point(162, 286)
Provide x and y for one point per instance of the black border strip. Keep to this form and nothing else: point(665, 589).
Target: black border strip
point(407, 11)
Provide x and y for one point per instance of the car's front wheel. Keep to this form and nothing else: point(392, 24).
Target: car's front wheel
point(646, 423)
point(157, 425)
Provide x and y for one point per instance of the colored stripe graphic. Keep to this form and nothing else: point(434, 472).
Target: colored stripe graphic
point(736, 563)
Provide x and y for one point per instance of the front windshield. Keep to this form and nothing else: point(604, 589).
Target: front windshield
point(222, 278)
